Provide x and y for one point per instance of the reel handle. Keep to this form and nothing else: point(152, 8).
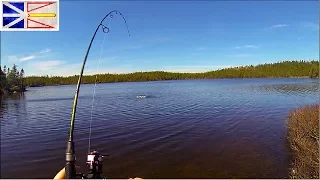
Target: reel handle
point(94, 162)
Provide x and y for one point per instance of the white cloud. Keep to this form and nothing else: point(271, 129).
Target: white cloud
point(248, 46)
point(15, 59)
point(26, 58)
point(61, 68)
point(310, 25)
point(65, 70)
point(45, 51)
point(277, 26)
point(47, 65)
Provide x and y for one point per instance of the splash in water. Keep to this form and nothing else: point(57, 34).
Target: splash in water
point(141, 96)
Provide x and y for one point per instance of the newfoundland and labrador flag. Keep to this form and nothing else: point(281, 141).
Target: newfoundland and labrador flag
point(29, 15)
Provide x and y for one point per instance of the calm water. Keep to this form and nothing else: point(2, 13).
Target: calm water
point(229, 128)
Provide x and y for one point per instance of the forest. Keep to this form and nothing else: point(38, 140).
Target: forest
point(284, 69)
point(14, 81)
point(11, 80)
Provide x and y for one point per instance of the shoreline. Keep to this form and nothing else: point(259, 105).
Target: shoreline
point(284, 69)
point(306, 77)
point(4, 93)
point(303, 138)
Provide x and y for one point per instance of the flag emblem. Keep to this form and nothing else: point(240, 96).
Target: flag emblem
point(30, 15)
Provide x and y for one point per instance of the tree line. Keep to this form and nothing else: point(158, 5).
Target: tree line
point(11, 80)
point(284, 69)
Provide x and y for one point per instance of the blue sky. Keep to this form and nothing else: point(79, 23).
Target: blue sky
point(178, 36)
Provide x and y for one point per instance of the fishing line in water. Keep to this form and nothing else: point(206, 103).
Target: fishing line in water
point(94, 88)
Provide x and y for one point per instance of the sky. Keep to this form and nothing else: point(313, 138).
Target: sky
point(181, 36)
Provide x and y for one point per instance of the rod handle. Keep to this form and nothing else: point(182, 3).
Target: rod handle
point(70, 170)
point(70, 166)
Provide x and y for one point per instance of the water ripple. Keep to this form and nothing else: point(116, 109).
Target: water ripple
point(182, 129)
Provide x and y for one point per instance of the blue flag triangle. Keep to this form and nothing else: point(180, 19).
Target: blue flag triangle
point(8, 10)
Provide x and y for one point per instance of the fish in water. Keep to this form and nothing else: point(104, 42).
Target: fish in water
point(141, 96)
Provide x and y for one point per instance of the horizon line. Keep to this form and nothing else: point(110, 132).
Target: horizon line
point(171, 71)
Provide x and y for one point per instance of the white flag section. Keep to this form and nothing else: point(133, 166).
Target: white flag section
point(29, 15)
point(42, 14)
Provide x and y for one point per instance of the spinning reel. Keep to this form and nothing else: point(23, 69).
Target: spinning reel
point(94, 163)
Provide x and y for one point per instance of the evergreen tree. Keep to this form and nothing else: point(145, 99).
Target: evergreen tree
point(5, 70)
point(21, 77)
point(13, 79)
point(12, 76)
point(2, 79)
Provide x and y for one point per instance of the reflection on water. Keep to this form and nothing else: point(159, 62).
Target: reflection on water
point(230, 128)
point(289, 89)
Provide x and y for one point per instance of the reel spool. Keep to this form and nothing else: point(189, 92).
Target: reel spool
point(94, 162)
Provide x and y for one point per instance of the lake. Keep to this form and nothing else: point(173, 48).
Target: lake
point(219, 128)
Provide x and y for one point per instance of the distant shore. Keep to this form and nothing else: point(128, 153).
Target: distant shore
point(285, 69)
point(306, 77)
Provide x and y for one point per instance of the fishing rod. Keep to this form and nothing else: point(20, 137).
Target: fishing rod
point(94, 158)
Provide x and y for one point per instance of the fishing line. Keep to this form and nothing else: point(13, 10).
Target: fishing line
point(94, 88)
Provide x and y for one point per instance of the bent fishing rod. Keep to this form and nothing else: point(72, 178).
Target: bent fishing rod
point(94, 158)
